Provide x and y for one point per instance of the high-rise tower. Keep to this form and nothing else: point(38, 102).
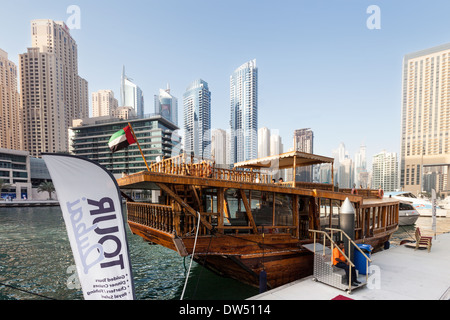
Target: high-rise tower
point(53, 94)
point(197, 119)
point(425, 124)
point(131, 95)
point(244, 112)
point(10, 125)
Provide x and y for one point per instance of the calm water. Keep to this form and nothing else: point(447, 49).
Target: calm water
point(35, 256)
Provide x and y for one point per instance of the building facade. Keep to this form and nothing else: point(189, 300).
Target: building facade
point(15, 174)
point(104, 103)
point(197, 119)
point(167, 105)
point(304, 142)
point(263, 142)
point(131, 95)
point(52, 92)
point(219, 147)
point(385, 171)
point(244, 112)
point(10, 123)
point(155, 135)
point(425, 123)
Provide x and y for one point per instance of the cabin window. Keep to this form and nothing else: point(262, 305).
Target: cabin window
point(283, 209)
point(262, 207)
point(329, 213)
point(235, 213)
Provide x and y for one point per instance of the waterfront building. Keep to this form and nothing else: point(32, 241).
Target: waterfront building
point(385, 171)
point(89, 138)
point(244, 112)
point(425, 117)
point(197, 119)
point(104, 103)
point(131, 95)
point(10, 128)
point(52, 92)
point(167, 105)
point(15, 173)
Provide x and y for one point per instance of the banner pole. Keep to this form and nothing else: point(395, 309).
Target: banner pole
point(135, 138)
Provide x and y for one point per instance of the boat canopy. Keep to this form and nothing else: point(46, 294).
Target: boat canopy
point(287, 160)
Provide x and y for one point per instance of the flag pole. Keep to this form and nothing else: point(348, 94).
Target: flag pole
point(132, 131)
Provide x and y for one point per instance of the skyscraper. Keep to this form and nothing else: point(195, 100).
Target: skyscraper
point(244, 112)
point(197, 119)
point(11, 133)
point(385, 171)
point(304, 142)
point(425, 124)
point(219, 146)
point(167, 105)
point(263, 142)
point(104, 103)
point(53, 94)
point(131, 95)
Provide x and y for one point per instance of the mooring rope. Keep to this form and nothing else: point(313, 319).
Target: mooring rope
point(192, 257)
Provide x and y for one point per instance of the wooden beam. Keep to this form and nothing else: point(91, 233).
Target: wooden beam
point(249, 211)
point(184, 204)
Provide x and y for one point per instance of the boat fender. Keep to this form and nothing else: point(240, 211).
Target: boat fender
point(387, 245)
point(262, 281)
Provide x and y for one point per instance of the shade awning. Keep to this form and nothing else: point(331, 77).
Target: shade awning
point(285, 161)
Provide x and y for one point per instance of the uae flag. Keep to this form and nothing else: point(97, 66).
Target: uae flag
point(121, 139)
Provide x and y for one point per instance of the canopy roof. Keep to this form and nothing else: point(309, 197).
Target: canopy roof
point(285, 161)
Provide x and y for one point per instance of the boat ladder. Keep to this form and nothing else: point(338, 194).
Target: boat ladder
point(324, 270)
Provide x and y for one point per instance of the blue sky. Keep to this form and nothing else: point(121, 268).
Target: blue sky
point(320, 67)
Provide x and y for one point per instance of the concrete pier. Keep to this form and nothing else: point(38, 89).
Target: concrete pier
point(401, 273)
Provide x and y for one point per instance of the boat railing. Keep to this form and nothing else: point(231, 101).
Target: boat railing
point(197, 167)
point(165, 219)
point(365, 193)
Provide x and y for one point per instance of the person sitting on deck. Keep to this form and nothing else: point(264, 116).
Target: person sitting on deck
point(340, 262)
point(354, 190)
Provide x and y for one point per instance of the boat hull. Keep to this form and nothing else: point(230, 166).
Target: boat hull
point(283, 263)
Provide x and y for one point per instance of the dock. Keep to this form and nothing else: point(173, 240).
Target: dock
point(28, 203)
point(399, 273)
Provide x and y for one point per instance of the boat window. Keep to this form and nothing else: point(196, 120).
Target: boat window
point(406, 206)
point(262, 207)
point(234, 209)
point(283, 209)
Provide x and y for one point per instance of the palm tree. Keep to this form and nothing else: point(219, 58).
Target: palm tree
point(4, 185)
point(47, 187)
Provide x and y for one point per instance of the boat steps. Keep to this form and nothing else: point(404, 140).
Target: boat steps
point(325, 272)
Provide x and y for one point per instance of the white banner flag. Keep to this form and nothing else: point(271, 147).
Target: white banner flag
point(92, 209)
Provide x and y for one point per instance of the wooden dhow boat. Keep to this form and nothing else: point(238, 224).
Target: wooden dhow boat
point(247, 222)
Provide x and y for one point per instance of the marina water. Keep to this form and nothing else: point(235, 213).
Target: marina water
point(35, 257)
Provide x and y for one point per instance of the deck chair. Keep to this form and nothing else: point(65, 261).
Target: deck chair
point(422, 241)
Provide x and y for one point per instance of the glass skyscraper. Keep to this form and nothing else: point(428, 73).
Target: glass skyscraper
point(167, 105)
point(131, 95)
point(197, 119)
point(244, 112)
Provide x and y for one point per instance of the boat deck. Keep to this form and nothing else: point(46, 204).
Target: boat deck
point(404, 274)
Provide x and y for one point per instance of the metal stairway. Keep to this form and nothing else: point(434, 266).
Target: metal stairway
point(325, 272)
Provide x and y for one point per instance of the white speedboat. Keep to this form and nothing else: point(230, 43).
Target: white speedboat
point(423, 206)
point(407, 214)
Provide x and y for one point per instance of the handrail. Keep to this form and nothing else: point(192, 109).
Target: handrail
point(350, 240)
point(351, 264)
point(333, 244)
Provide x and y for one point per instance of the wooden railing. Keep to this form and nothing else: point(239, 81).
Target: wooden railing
point(374, 219)
point(163, 218)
